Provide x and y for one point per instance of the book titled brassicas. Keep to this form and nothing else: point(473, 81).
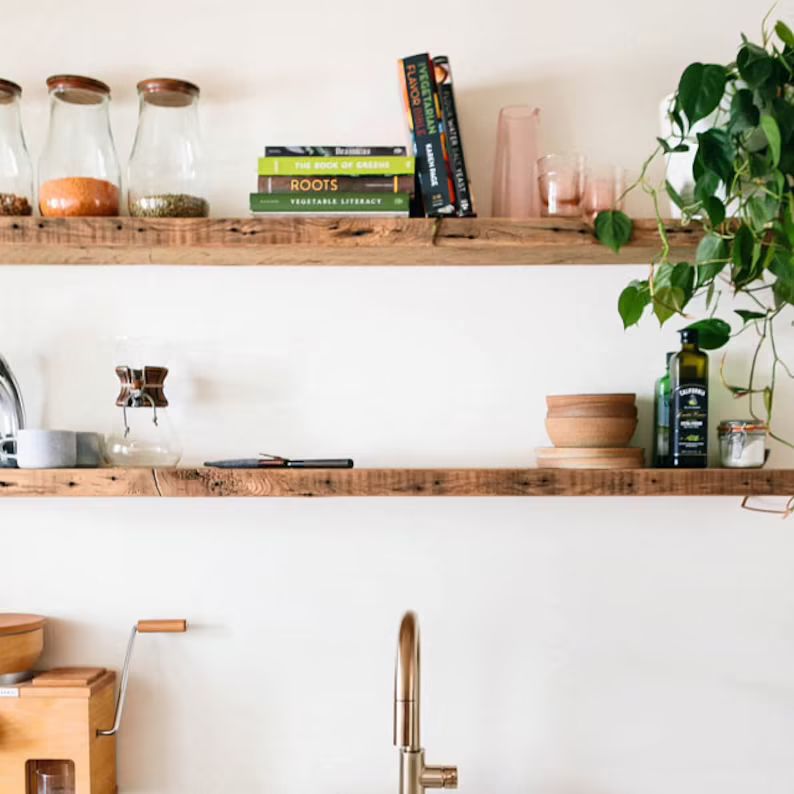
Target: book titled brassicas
point(336, 166)
point(327, 203)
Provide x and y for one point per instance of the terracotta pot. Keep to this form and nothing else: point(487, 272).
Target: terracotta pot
point(21, 642)
point(590, 458)
point(594, 431)
point(559, 400)
point(593, 409)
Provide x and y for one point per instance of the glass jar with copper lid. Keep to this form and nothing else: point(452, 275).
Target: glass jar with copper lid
point(79, 171)
point(16, 169)
point(166, 175)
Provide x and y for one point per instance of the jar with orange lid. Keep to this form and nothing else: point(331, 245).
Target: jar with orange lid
point(79, 171)
point(16, 170)
point(166, 177)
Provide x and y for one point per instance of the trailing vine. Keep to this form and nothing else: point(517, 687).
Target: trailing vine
point(743, 199)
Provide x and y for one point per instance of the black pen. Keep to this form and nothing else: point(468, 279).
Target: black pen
point(277, 462)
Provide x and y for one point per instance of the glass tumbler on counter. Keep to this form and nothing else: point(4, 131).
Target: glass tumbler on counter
point(561, 181)
point(165, 175)
point(515, 179)
point(143, 434)
point(603, 190)
point(16, 169)
point(79, 172)
point(55, 777)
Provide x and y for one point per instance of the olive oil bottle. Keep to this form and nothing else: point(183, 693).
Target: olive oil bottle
point(662, 397)
point(689, 410)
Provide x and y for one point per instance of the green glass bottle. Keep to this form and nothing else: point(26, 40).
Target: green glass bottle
point(689, 411)
point(661, 418)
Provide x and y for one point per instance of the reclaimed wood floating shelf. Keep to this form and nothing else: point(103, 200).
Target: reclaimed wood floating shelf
point(324, 241)
point(204, 482)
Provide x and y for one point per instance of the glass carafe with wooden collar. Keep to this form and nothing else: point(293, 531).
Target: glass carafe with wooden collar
point(143, 434)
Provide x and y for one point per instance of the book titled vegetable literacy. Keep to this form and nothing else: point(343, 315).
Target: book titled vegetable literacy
point(330, 202)
point(351, 166)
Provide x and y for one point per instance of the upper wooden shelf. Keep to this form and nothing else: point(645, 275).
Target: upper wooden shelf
point(203, 482)
point(322, 241)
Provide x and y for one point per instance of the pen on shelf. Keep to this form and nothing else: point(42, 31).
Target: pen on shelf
point(277, 462)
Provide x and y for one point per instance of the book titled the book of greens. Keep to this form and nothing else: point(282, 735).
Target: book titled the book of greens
point(337, 203)
point(336, 166)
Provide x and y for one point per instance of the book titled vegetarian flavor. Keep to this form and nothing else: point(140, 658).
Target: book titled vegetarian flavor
point(336, 184)
point(336, 166)
point(464, 203)
point(335, 151)
point(380, 204)
point(423, 111)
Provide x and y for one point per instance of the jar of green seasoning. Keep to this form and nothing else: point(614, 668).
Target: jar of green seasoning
point(166, 176)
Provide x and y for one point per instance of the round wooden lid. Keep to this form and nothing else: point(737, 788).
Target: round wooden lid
point(16, 623)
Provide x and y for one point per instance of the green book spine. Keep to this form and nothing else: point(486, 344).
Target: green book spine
point(330, 202)
point(335, 166)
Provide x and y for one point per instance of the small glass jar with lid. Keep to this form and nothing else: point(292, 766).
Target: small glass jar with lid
point(166, 177)
point(16, 170)
point(79, 171)
point(742, 443)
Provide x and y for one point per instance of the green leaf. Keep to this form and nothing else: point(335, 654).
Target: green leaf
point(700, 90)
point(712, 333)
point(783, 268)
point(744, 113)
point(711, 258)
point(613, 228)
point(784, 33)
point(715, 209)
point(675, 197)
point(747, 316)
point(769, 397)
point(715, 153)
point(743, 256)
point(706, 186)
point(667, 301)
point(762, 211)
point(772, 132)
point(755, 65)
point(632, 302)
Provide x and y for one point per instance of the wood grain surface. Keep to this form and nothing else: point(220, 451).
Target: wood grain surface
point(323, 241)
point(206, 482)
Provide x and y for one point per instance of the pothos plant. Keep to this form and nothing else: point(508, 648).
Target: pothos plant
point(743, 199)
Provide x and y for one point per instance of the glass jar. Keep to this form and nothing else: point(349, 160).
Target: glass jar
point(78, 171)
point(165, 174)
point(742, 443)
point(143, 435)
point(16, 169)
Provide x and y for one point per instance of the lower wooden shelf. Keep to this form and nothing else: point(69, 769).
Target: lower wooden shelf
point(204, 482)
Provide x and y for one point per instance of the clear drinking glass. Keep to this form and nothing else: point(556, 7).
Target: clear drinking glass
point(16, 169)
point(561, 181)
point(165, 177)
point(54, 777)
point(78, 171)
point(603, 189)
point(515, 183)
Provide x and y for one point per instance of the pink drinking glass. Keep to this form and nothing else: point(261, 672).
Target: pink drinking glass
point(515, 184)
point(561, 181)
point(603, 190)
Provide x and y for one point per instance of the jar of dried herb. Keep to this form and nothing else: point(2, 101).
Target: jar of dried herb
point(79, 171)
point(166, 175)
point(16, 169)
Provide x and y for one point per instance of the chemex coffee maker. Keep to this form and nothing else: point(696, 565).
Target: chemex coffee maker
point(58, 728)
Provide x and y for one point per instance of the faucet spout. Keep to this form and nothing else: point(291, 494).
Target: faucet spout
point(406, 685)
point(415, 775)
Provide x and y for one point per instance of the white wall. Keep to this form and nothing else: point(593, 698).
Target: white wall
point(571, 646)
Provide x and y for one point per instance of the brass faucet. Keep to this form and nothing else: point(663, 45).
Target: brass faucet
point(415, 777)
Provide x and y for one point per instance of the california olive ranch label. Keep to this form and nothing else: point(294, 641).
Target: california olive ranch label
point(690, 420)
